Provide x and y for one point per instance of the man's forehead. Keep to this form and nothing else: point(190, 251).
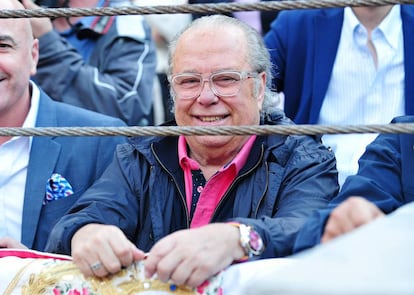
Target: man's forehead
point(16, 27)
point(211, 39)
point(213, 29)
point(10, 4)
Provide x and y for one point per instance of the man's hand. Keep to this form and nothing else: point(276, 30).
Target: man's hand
point(101, 250)
point(7, 242)
point(191, 256)
point(352, 213)
point(40, 25)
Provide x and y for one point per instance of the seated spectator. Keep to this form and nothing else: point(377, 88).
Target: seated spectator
point(42, 176)
point(201, 203)
point(382, 185)
point(344, 66)
point(101, 63)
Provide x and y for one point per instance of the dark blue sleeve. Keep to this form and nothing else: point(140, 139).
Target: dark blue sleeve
point(93, 206)
point(309, 182)
point(276, 42)
point(378, 180)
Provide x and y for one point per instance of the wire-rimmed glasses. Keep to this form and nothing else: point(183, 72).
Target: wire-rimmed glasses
point(222, 83)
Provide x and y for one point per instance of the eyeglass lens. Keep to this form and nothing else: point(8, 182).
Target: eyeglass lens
point(188, 86)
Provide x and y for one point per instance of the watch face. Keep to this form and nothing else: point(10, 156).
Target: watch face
point(256, 242)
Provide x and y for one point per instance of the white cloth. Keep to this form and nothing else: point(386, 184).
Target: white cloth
point(240, 277)
point(358, 93)
point(14, 157)
point(377, 258)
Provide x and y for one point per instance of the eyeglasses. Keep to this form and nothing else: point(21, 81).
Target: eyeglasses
point(222, 83)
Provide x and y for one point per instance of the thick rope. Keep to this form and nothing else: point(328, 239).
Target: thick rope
point(219, 130)
point(195, 8)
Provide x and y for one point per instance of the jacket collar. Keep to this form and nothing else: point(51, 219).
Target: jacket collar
point(328, 25)
point(407, 16)
point(43, 157)
point(165, 149)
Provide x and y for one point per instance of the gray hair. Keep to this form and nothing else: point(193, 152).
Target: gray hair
point(258, 56)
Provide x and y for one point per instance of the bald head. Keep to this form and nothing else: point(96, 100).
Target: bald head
point(23, 22)
point(248, 41)
point(19, 53)
point(11, 4)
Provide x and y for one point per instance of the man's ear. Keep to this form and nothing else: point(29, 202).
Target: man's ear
point(35, 56)
point(262, 90)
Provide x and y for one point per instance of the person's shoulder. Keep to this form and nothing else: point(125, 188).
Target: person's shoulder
point(132, 26)
point(276, 117)
point(73, 115)
point(308, 13)
point(408, 8)
point(403, 119)
point(301, 144)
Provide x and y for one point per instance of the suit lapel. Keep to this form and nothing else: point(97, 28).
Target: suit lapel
point(407, 15)
point(328, 26)
point(43, 157)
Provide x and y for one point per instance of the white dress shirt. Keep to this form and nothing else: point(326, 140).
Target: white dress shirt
point(359, 92)
point(14, 158)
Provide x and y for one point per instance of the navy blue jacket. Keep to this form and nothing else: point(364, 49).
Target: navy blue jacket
point(385, 177)
point(283, 181)
point(303, 45)
point(79, 159)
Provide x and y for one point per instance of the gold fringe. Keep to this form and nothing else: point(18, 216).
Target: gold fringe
point(13, 283)
point(129, 281)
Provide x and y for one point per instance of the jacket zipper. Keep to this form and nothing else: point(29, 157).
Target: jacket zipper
point(225, 196)
point(176, 185)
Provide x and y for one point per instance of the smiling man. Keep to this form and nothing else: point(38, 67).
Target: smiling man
point(41, 176)
point(197, 204)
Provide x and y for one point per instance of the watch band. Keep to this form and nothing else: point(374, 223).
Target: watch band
point(250, 240)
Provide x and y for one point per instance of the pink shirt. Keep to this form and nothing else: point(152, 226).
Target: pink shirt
point(215, 187)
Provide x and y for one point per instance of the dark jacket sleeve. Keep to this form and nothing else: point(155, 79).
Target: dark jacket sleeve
point(308, 183)
point(116, 81)
point(379, 180)
point(98, 200)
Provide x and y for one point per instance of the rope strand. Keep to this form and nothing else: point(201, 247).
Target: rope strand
point(194, 8)
point(219, 130)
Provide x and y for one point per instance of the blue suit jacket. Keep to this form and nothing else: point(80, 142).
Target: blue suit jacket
point(303, 46)
point(79, 159)
point(385, 177)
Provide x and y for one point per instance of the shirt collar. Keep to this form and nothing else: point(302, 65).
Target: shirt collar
point(390, 26)
point(183, 157)
point(238, 162)
point(30, 120)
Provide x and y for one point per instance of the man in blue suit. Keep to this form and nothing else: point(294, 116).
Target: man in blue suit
point(40, 177)
point(344, 66)
point(384, 183)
